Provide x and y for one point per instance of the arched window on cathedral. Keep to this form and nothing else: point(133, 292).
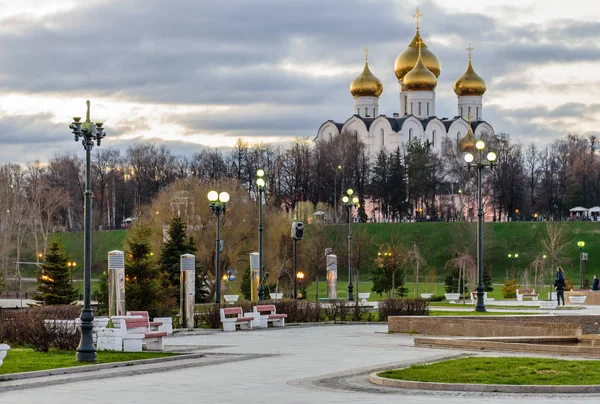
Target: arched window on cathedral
point(428, 109)
point(330, 136)
point(367, 112)
point(358, 111)
point(477, 113)
point(461, 111)
point(469, 113)
point(457, 138)
point(419, 108)
point(405, 105)
point(382, 138)
point(409, 135)
point(433, 139)
point(411, 107)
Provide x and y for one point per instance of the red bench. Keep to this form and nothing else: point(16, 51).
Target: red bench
point(137, 329)
point(153, 324)
point(268, 310)
point(233, 316)
point(522, 293)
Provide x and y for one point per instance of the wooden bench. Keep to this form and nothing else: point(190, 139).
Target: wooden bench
point(154, 325)
point(278, 320)
point(523, 293)
point(232, 316)
point(137, 330)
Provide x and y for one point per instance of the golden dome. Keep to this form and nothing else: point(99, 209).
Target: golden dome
point(467, 143)
point(366, 84)
point(420, 78)
point(469, 83)
point(407, 59)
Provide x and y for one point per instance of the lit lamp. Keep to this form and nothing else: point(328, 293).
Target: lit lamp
point(218, 204)
point(474, 159)
point(581, 244)
point(300, 276)
point(91, 132)
point(350, 200)
point(260, 182)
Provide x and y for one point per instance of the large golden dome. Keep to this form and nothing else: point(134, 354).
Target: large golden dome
point(407, 59)
point(420, 78)
point(469, 83)
point(467, 143)
point(366, 84)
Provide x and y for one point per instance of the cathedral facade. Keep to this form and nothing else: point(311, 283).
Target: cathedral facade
point(417, 69)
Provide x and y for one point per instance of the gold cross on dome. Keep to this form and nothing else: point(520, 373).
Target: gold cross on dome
point(417, 15)
point(366, 51)
point(470, 48)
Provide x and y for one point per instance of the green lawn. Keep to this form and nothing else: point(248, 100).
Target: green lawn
point(514, 371)
point(27, 360)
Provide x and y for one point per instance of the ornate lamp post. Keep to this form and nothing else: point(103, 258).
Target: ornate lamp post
point(218, 204)
point(91, 132)
point(350, 200)
point(581, 244)
point(260, 182)
point(512, 258)
point(466, 145)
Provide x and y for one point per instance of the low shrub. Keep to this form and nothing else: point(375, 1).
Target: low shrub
point(403, 307)
point(509, 290)
point(34, 328)
point(437, 298)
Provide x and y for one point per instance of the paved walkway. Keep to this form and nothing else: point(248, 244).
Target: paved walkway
point(323, 364)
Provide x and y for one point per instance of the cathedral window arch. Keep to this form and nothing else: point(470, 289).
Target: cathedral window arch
point(461, 112)
point(477, 113)
point(411, 108)
point(433, 138)
point(382, 134)
point(428, 109)
point(405, 105)
point(457, 138)
point(409, 135)
point(330, 136)
point(469, 113)
point(367, 112)
point(419, 108)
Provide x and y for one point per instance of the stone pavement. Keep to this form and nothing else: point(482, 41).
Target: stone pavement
point(319, 364)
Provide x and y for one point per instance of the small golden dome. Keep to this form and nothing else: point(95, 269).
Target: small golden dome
point(470, 83)
point(420, 78)
point(407, 59)
point(366, 84)
point(467, 143)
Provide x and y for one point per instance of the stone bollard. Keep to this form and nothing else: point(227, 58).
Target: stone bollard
point(187, 290)
point(254, 276)
point(116, 283)
point(332, 276)
point(3, 351)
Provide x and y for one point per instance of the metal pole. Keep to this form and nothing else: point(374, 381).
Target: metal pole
point(218, 258)
point(350, 287)
point(480, 303)
point(335, 195)
point(580, 268)
point(86, 351)
point(261, 291)
point(295, 268)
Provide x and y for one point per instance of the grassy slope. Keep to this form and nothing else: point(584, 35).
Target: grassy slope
point(27, 360)
point(515, 371)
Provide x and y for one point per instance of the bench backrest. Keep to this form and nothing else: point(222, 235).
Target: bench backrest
point(521, 291)
point(139, 313)
point(137, 322)
point(265, 308)
point(231, 311)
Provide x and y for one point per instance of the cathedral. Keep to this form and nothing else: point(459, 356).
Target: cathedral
point(417, 69)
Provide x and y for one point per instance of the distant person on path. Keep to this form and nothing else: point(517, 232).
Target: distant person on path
point(559, 284)
point(596, 284)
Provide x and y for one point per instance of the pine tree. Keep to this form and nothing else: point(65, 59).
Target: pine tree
point(55, 282)
point(177, 245)
point(147, 288)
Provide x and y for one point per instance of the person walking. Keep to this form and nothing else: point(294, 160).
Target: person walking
point(596, 284)
point(559, 284)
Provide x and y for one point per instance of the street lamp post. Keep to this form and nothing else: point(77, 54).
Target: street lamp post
point(335, 213)
point(480, 164)
point(513, 257)
point(581, 244)
point(260, 182)
point(91, 132)
point(350, 200)
point(300, 276)
point(218, 204)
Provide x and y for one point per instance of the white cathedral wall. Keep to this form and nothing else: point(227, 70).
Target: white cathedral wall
point(382, 136)
point(472, 104)
point(435, 132)
point(421, 103)
point(327, 132)
point(457, 130)
point(367, 107)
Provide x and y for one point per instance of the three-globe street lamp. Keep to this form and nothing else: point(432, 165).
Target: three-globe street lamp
point(479, 164)
point(218, 204)
point(581, 244)
point(512, 257)
point(91, 131)
point(260, 182)
point(71, 265)
point(350, 200)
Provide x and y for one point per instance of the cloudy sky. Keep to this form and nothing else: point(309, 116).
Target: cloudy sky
point(196, 73)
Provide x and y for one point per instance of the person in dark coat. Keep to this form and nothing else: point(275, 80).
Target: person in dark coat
point(596, 283)
point(559, 284)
